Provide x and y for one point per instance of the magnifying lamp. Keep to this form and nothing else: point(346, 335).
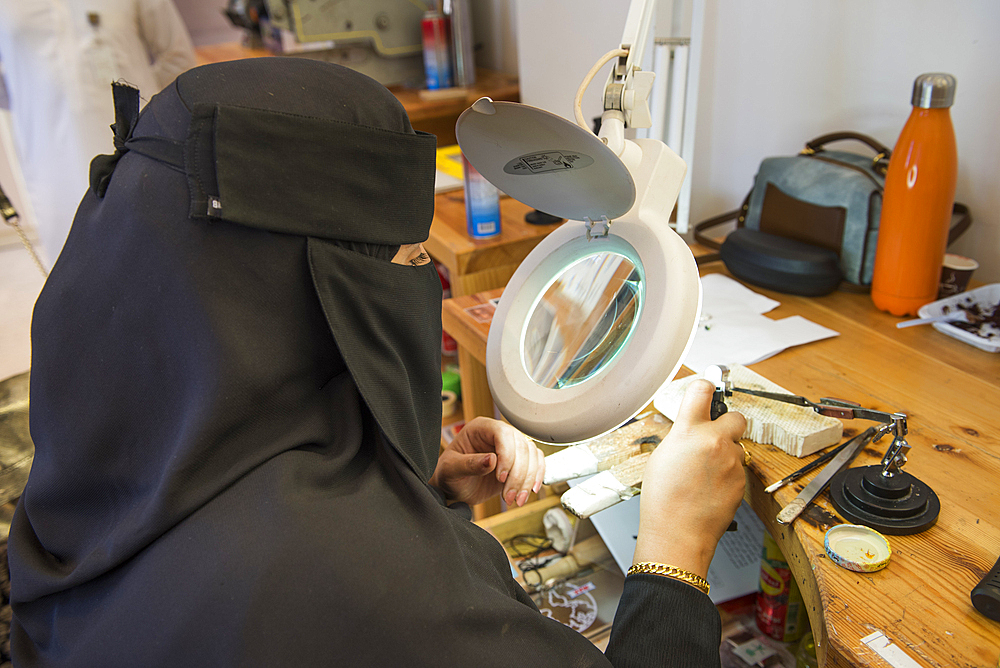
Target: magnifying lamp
point(601, 313)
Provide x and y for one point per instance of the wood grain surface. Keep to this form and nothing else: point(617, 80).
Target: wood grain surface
point(951, 395)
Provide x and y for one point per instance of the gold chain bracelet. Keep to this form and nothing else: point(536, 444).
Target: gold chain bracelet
point(669, 571)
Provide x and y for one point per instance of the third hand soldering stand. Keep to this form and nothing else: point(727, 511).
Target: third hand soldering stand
point(882, 496)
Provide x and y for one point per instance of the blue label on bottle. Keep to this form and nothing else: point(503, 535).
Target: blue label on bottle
point(482, 205)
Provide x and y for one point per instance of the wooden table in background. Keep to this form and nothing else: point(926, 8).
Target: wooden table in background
point(429, 111)
point(475, 265)
point(951, 394)
point(470, 334)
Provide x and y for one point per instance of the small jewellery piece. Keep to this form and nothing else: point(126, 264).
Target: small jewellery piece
point(695, 581)
point(746, 455)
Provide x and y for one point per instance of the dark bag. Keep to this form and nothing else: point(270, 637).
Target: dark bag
point(810, 223)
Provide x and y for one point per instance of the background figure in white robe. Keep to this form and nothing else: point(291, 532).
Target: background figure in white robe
point(58, 60)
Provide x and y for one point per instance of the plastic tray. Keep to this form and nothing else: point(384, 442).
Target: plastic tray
point(987, 297)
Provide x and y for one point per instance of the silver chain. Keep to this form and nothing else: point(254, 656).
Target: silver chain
point(10, 216)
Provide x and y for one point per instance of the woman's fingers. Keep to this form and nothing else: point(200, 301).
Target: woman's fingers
point(519, 465)
point(514, 488)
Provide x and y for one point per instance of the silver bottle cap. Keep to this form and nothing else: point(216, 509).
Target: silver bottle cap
point(933, 90)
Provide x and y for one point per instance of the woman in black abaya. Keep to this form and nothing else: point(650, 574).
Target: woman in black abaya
point(235, 406)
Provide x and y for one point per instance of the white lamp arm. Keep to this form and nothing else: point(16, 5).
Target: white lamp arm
point(626, 93)
point(634, 38)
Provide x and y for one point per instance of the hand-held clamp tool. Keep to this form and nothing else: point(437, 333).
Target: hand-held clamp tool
point(718, 375)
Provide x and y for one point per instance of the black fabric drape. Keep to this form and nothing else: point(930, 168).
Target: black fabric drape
point(235, 415)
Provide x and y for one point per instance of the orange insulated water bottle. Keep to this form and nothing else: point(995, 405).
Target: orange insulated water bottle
point(918, 200)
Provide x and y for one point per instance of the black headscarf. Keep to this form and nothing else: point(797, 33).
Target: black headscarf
point(234, 400)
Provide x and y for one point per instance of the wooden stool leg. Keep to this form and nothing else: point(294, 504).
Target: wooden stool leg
point(476, 397)
point(476, 401)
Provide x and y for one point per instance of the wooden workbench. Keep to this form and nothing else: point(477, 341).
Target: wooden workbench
point(475, 265)
point(951, 394)
point(429, 111)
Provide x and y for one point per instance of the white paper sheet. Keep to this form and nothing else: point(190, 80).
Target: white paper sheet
point(733, 329)
point(896, 657)
point(445, 182)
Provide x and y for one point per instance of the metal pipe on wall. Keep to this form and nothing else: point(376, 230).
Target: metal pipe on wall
point(462, 40)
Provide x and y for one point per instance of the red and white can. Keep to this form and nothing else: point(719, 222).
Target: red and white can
point(437, 54)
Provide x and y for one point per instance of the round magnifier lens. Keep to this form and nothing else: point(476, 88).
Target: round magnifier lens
point(582, 320)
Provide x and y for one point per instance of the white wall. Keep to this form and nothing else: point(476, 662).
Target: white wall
point(776, 73)
point(494, 27)
point(557, 47)
point(206, 21)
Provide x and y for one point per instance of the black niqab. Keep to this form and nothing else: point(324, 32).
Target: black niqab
point(235, 399)
point(234, 405)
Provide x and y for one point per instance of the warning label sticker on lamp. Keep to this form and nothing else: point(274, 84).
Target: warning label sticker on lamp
point(547, 161)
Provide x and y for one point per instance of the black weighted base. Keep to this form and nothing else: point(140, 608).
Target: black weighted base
point(537, 217)
point(898, 506)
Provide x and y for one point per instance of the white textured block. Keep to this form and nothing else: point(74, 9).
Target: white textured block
point(797, 430)
point(595, 494)
point(573, 462)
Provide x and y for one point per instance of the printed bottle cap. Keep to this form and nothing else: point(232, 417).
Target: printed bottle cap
point(857, 548)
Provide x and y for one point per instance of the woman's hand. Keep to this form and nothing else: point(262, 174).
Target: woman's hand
point(487, 457)
point(692, 485)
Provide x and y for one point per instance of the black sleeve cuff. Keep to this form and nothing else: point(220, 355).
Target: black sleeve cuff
point(664, 622)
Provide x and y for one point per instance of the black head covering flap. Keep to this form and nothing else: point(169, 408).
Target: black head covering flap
point(308, 163)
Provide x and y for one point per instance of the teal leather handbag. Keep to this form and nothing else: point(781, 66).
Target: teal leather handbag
point(810, 223)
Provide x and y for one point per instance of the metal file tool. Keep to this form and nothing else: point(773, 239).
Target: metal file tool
point(819, 483)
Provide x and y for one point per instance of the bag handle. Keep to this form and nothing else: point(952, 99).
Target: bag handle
point(880, 161)
point(818, 143)
point(962, 224)
point(739, 215)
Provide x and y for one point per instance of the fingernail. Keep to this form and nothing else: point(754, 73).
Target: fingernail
point(521, 498)
point(486, 462)
point(503, 476)
point(538, 486)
